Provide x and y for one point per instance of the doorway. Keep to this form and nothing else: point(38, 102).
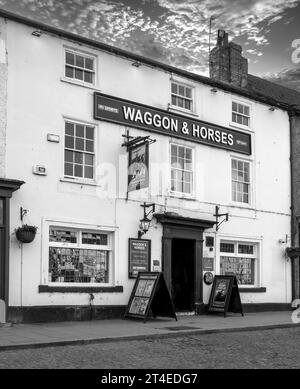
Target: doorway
point(183, 274)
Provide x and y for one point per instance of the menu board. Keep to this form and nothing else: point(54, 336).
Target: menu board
point(225, 295)
point(150, 291)
point(139, 256)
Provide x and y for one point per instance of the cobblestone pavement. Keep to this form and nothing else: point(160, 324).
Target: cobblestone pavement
point(277, 348)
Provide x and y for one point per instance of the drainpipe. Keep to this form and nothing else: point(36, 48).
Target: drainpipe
point(294, 228)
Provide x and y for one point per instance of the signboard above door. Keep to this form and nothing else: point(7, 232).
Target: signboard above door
point(128, 113)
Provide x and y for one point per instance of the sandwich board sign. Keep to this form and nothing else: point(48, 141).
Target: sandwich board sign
point(150, 295)
point(225, 295)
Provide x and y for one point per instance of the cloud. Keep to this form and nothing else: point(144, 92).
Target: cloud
point(287, 77)
point(172, 31)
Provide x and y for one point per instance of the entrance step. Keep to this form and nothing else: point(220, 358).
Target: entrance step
point(186, 313)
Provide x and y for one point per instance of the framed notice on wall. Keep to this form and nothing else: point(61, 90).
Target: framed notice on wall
point(139, 256)
point(138, 167)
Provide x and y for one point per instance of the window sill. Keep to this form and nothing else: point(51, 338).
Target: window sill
point(79, 182)
point(253, 290)
point(240, 127)
point(78, 83)
point(172, 108)
point(182, 196)
point(80, 289)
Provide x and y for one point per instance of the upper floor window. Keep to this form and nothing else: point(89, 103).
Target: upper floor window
point(181, 169)
point(241, 114)
point(182, 96)
point(240, 175)
point(79, 67)
point(79, 158)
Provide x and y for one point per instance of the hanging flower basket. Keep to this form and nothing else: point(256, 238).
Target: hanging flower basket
point(293, 252)
point(26, 234)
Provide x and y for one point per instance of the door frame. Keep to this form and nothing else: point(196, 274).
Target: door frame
point(179, 227)
point(7, 187)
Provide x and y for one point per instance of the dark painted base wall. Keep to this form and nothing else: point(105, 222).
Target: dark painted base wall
point(39, 314)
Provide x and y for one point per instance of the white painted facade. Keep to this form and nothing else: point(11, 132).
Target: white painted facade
point(40, 98)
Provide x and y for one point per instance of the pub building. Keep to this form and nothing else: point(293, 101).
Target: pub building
point(124, 164)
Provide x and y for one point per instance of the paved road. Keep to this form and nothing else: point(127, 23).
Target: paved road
point(277, 348)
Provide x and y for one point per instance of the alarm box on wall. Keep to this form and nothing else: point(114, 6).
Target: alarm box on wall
point(40, 170)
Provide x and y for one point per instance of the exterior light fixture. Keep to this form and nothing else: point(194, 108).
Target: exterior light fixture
point(272, 109)
point(136, 64)
point(145, 222)
point(214, 90)
point(37, 33)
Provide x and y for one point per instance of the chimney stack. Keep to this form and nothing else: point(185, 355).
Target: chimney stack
point(226, 62)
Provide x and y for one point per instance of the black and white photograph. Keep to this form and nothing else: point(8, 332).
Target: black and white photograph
point(149, 189)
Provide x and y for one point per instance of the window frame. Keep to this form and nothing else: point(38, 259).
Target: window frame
point(192, 99)
point(68, 224)
point(84, 53)
point(75, 179)
point(250, 184)
point(250, 118)
point(174, 192)
point(257, 243)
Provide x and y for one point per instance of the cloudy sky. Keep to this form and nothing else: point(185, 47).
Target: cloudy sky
point(177, 32)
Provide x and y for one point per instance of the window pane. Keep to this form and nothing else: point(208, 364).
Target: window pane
point(239, 119)
point(89, 132)
point(174, 100)
point(240, 108)
point(78, 265)
point(245, 121)
point(89, 159)
point(89, 63)
point(79, 158)
point(70, 58)
point(246, 110)
point(245, 249)
point(234, 106)
point(80, 130)
point(79, 61)
point(58, 235)
point(88, 172)
point(69, 127)
point(69, 72)
point(89, 145)
point(79, 74)
point(68, 169)
point(188, 92)
point(88, 77)
point(78, 171)
point(79, 144)
point(69, 142)
point(68, 156)
point(187, 104)
point(227, 247)
point(174, 88)
point(181, 90)
point(242, 268)
point(180, 102)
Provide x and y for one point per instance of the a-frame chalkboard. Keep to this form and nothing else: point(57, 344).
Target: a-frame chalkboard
point(150, 295)
point(225, 295)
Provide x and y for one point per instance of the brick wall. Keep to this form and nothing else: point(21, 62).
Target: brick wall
point(3, 95)
point(226, 62)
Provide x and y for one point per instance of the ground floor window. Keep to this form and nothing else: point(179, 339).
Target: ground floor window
point(79, 255)
point(240, 259)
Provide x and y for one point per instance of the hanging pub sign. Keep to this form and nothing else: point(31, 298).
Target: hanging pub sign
point(139, 256)
point(225, 295)
point(138, 167)
point(128, 113)
point(150, 295)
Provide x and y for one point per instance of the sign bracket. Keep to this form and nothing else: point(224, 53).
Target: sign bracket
point(132, 142)
point(218, 215)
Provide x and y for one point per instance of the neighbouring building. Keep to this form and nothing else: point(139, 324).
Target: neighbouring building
point(74, 113)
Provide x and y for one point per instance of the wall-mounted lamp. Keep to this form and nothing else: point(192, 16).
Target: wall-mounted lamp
point(136, 64)
point(145, 222)
point(272, 109)
point(214, 90)
point(37, 33)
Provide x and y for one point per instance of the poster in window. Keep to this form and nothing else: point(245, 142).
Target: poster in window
point(138, 167)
